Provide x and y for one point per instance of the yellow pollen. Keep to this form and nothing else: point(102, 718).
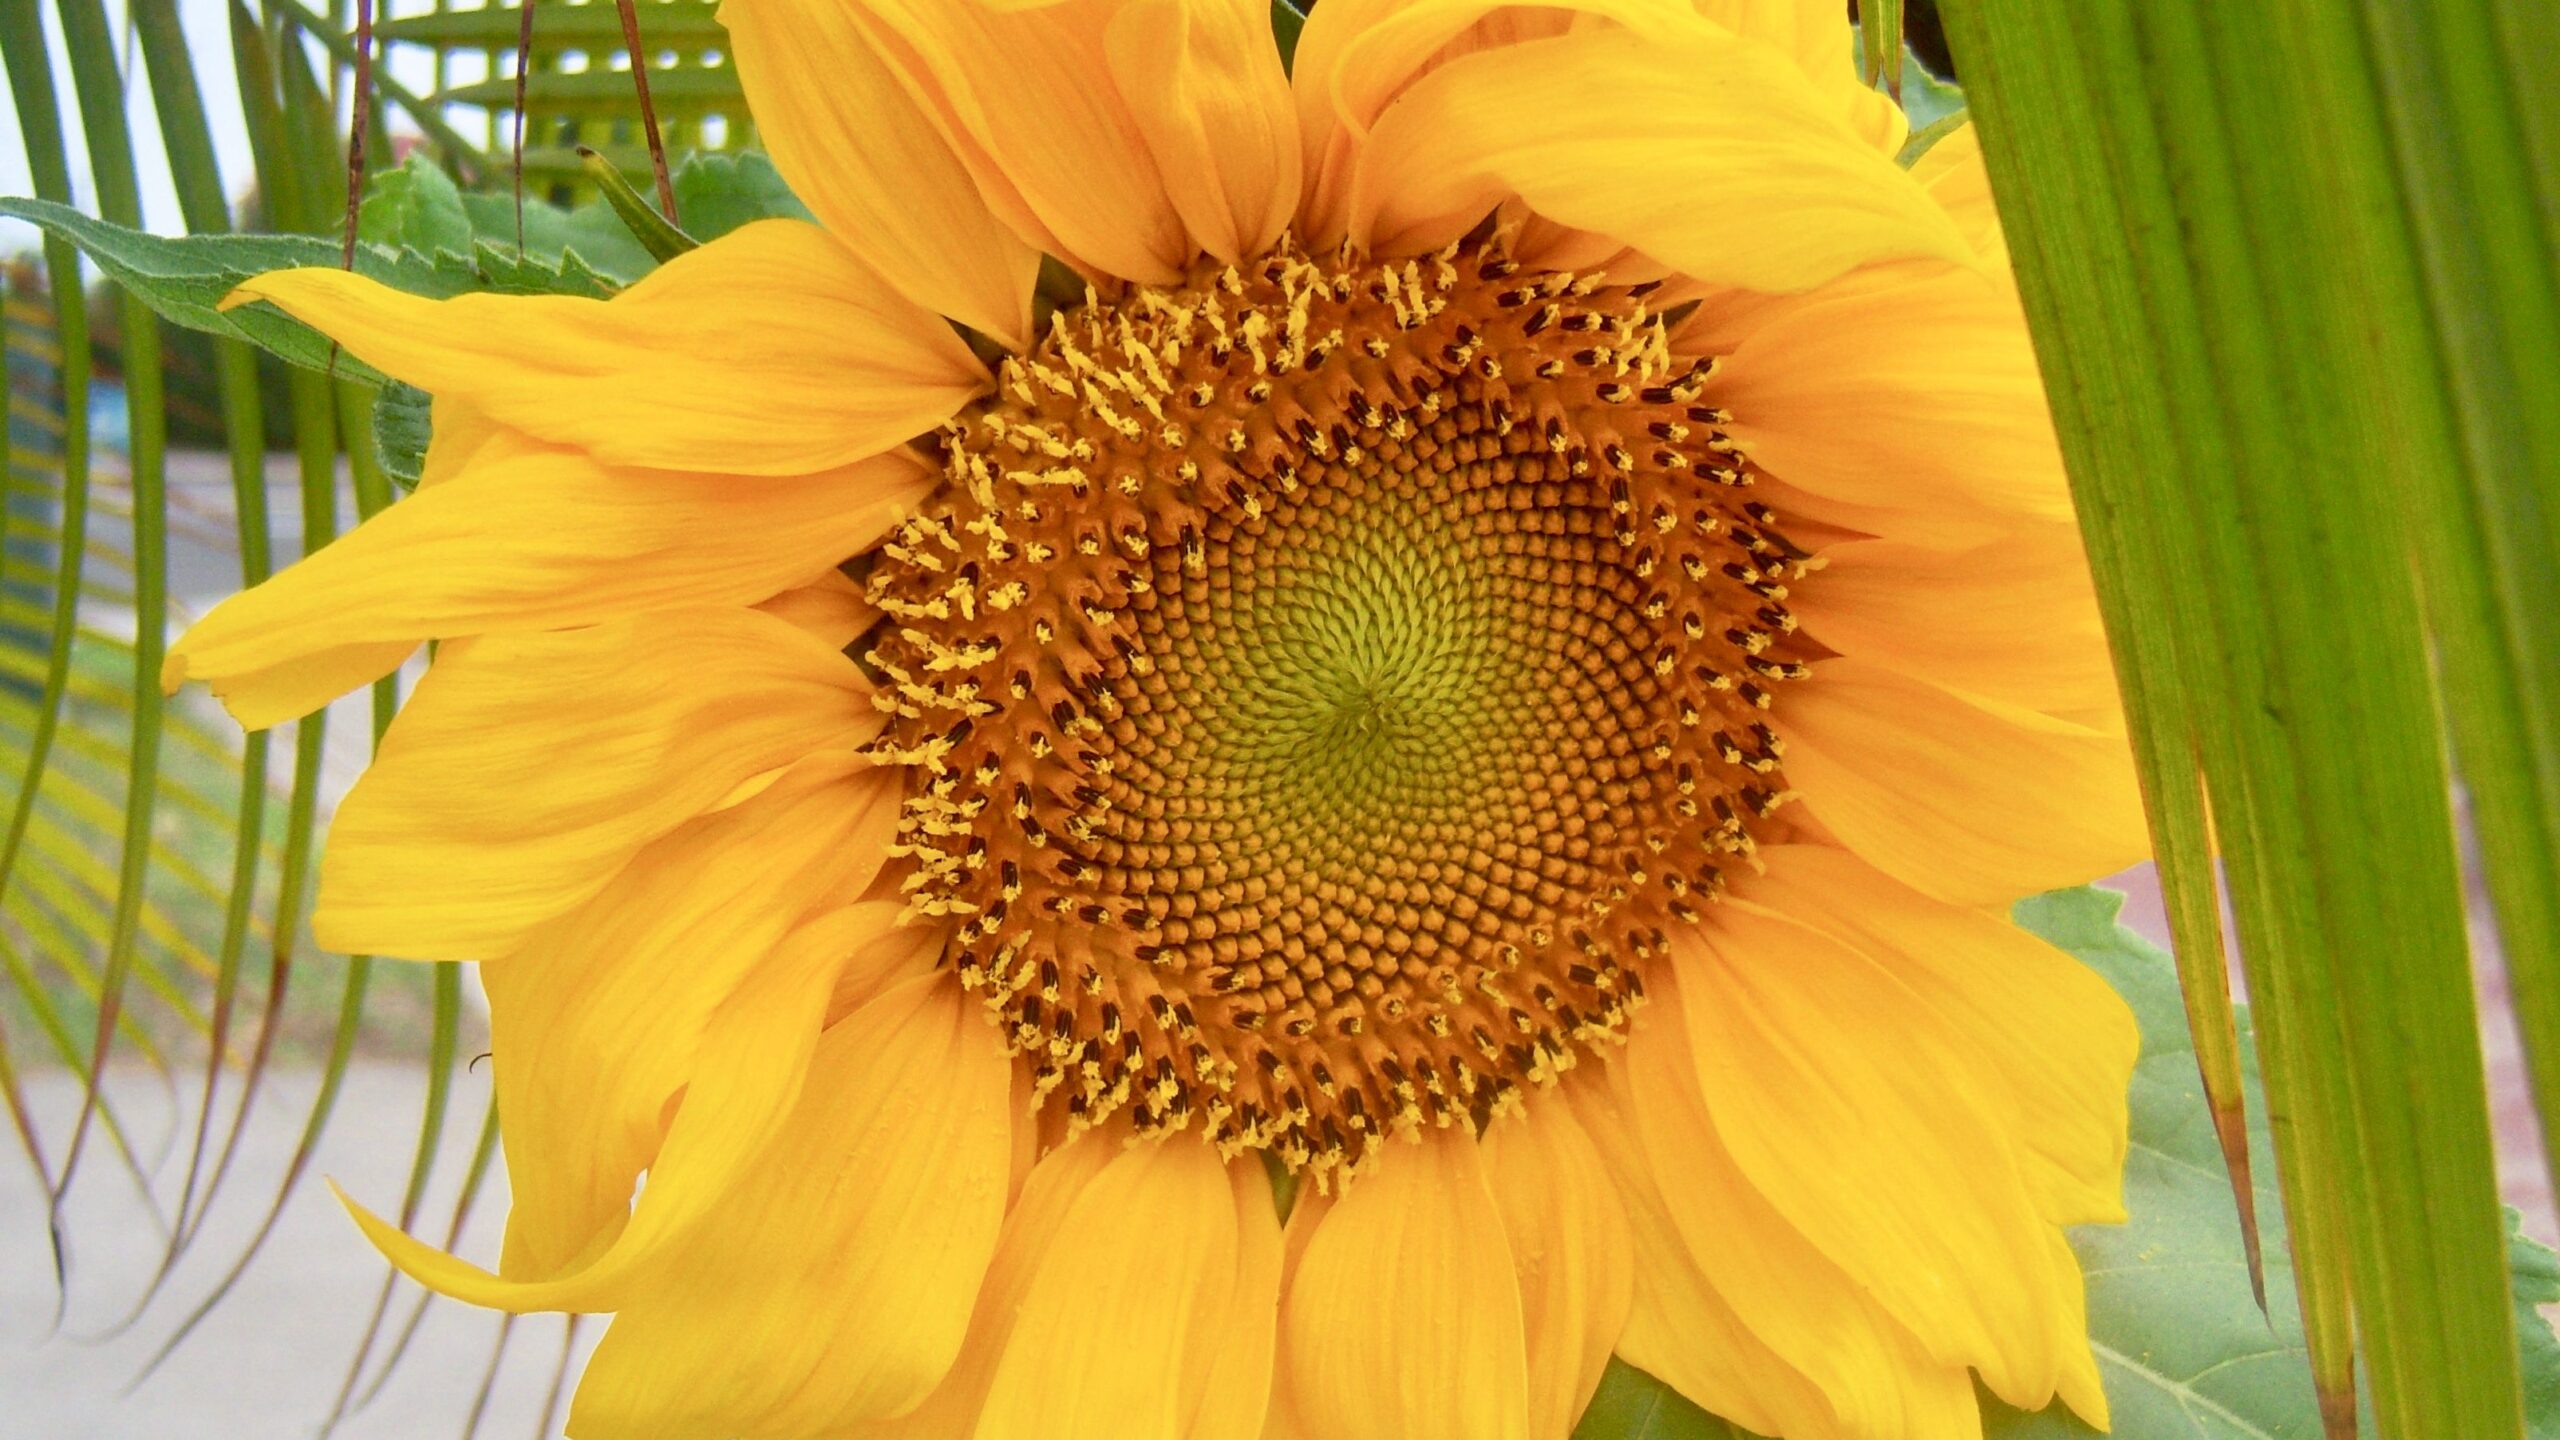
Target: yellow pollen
point(1344, 773)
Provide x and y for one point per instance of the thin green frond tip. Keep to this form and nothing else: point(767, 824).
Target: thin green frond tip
point(2181, 1346)
point(656, 233)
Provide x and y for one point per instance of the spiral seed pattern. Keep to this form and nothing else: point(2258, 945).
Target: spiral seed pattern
point(1326, 683)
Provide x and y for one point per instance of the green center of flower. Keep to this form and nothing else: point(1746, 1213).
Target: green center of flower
point(1324, 685)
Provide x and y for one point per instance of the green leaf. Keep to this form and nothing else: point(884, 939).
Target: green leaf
point(2181, 1345)
point(716, 193)
point(400, 432)
point(1632, 1405)
point(184, 278)
point(1288, 21)
point(415, 207)
point(590, 238)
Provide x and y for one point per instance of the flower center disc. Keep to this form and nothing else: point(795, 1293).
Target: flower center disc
point(1326, 683)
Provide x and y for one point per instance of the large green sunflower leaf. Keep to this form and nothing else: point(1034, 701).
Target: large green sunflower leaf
point(2181, 1344)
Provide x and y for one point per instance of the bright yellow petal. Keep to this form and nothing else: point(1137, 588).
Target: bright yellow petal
point(874, 167)
point(1912, 389)
point(1402, 1319)
point(545, 540)
point(769, 351)
point(2055, 1040)
point(1616, 132)
point(596, 1020)
point(837, 1284)
point(1952, 172)
point(1681, 1329)
point(1816, 37)
point(1203, 80)
point(1973, 803)
point(1843, 1100)
point(2014, 621)
point(1025, 98)
point(1568, 1237)
point(830, 607)
point(1235, 1394)
point(1355, 56)
point(527, 769)
point(1118, 1321)
point(1796, 1300)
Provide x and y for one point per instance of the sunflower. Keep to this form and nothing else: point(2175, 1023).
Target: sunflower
point(1249, 755)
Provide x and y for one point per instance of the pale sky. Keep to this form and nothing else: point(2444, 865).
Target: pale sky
point(209, 39)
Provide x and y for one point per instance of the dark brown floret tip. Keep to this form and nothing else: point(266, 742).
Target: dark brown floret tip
point(1326, 685)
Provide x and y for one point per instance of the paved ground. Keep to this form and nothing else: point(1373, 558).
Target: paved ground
point(269, 1364)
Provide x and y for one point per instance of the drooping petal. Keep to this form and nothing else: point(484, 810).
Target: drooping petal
point(874, 167)
point(1402, 1319)
point(2014, 621)
point(1913, 390)
point(595, 1021)
point(545, 540)
point(838, 1284)
point(2054, 1038)
point(769, 351)
point(1203, 80)
point(527, 769)
point(1609, 130)
point(1023, 96)
point(1973, 803)
point(1844, 1101)
point(1568, 1236)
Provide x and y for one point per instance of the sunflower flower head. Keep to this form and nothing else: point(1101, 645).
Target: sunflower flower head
point(1497, 648)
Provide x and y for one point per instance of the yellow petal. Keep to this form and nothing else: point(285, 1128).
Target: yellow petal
point(1402, 1319)
point(1568, 1237)
point(595, 1021)
point(769, 351)
point(1914, 388)
point(1203, 80)
point(2043, 1031)
point(1235, 1394)
point(1355, 56)
point(1843, 1100)
point(291, 687)
point(2014, 621)
point(1121, 1313)
point(1796, 1300)
point(545, 540)
point(1613, 131)
point(830, 607)
point(1973, 803)
point(527, 769)
point(1023, 95)
point(1680, 1328)
point(1816, 37)
point(874, 168)
point(837, 1284)
point(1952, 172)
